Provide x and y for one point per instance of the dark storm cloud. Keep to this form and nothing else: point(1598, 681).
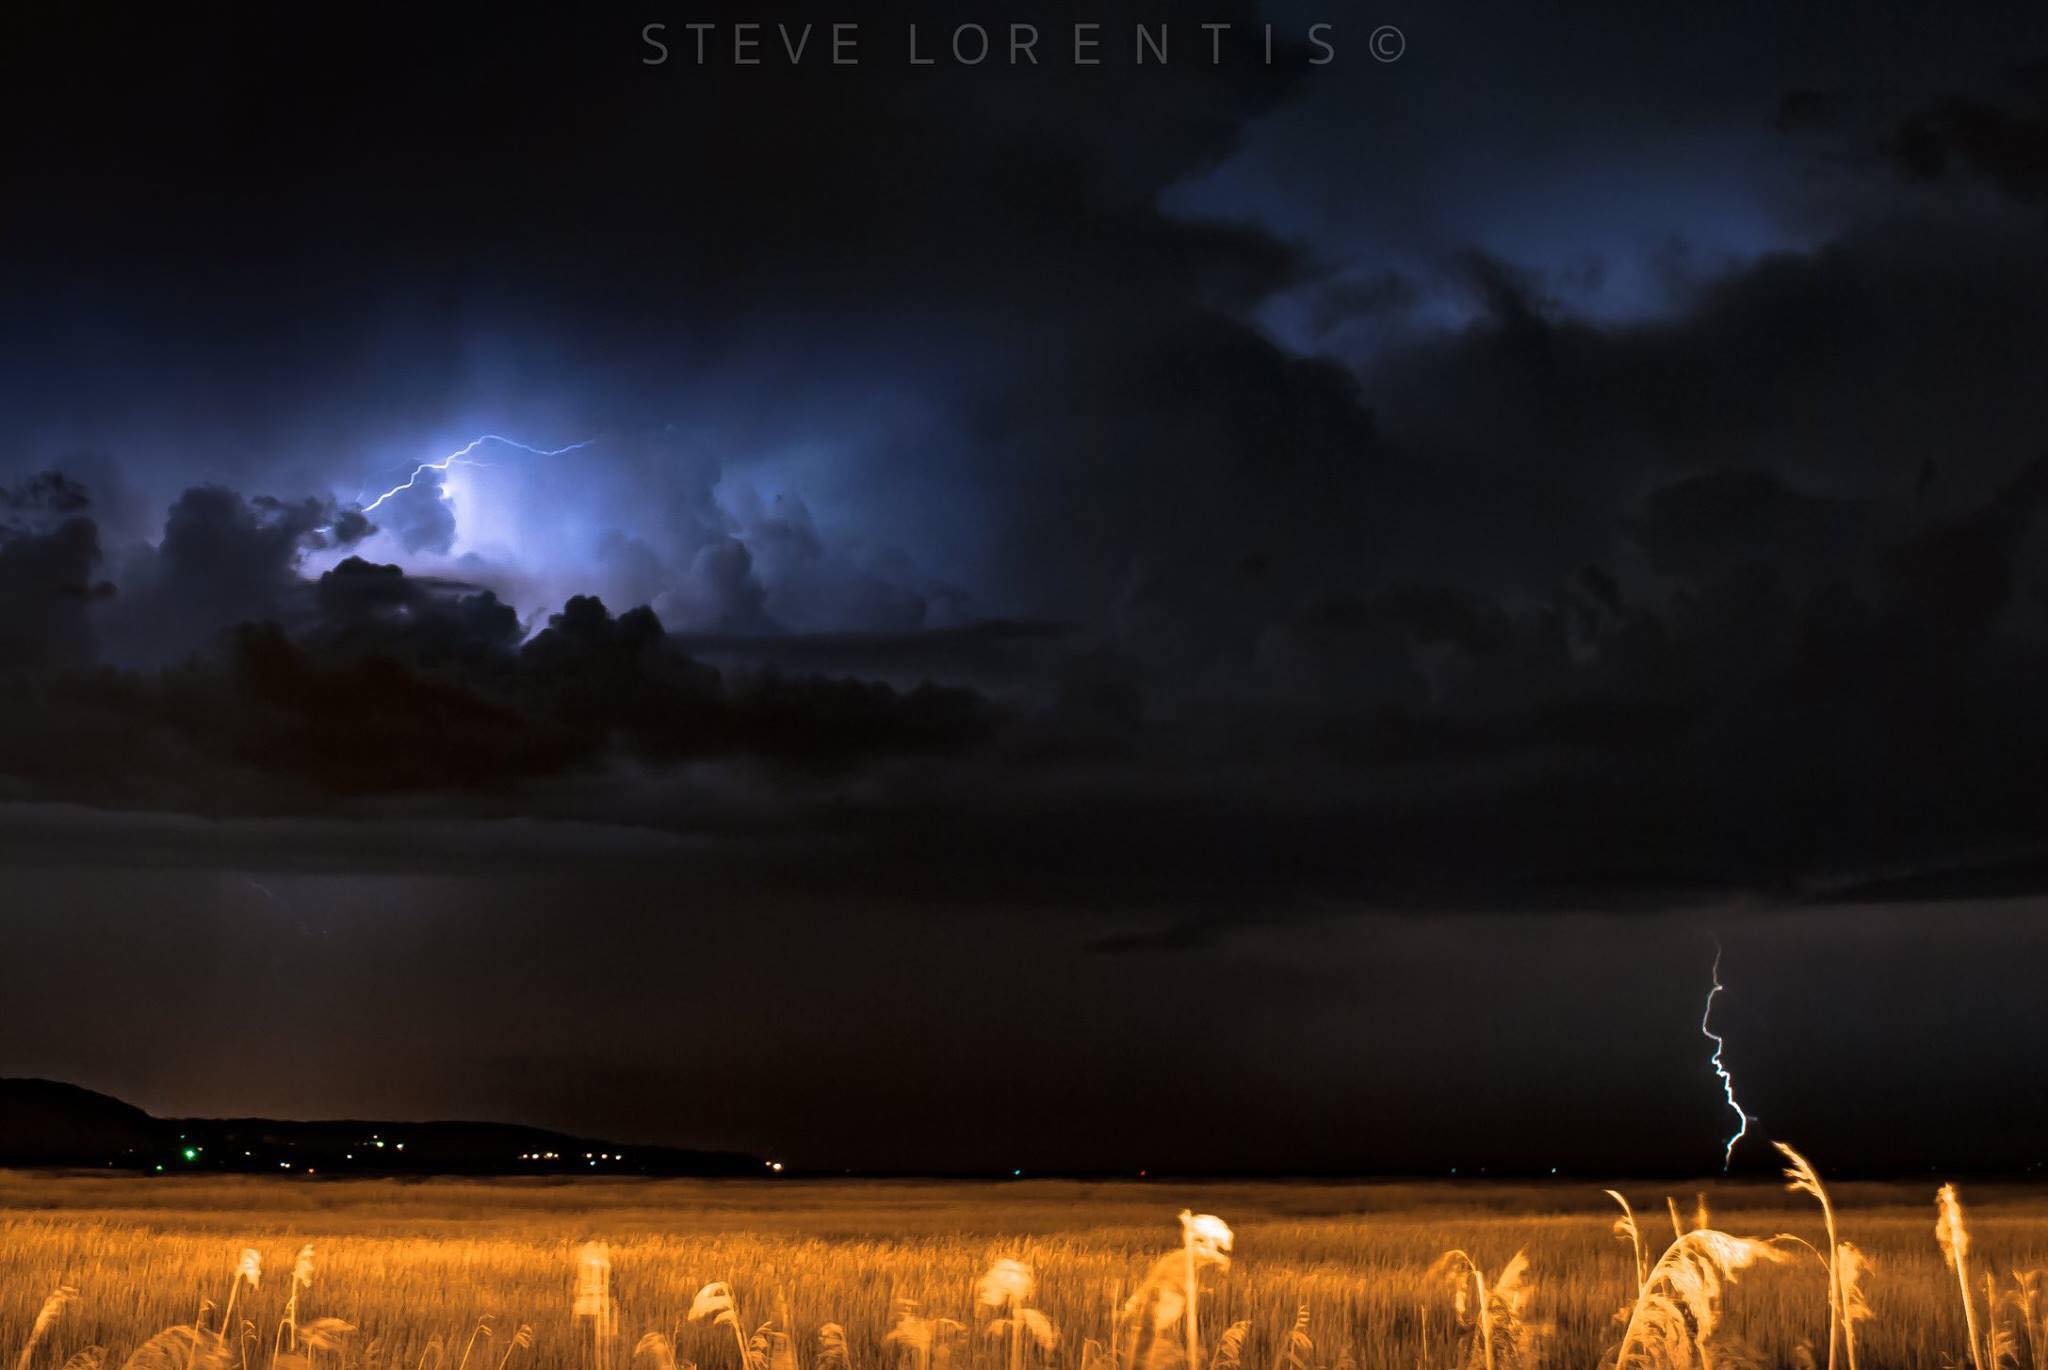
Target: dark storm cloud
point(223, 558)
point(949, 239)
point(994, 655)
point(1524, 612)
point(1110, 343)
point(1968, 136)
point(385, 685)
point(1514, 611)
point(49, 559)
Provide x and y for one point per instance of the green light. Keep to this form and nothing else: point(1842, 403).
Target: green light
point(191, 1153)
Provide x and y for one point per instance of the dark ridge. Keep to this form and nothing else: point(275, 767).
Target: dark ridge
point(50, 1123)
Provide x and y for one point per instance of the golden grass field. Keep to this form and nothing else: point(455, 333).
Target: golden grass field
point(417, 1267)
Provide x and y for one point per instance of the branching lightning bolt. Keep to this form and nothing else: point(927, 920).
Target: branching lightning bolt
point(1743, 1119)
point(461, 457)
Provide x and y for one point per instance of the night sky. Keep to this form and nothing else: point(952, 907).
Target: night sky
point(1205, 615)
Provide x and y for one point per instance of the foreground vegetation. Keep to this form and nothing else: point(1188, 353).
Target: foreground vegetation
point(456, 1275)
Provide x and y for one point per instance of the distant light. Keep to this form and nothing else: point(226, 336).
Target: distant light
point(1016, 1172)
point(401, 1146)
point(159, 1168)
point(380, 1144)
point(191, 1153)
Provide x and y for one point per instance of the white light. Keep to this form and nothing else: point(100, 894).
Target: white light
point(461, 457)
point(1742, 1117)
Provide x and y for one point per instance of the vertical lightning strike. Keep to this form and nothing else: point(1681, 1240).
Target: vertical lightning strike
point(1743, 1119)
point(460, 457)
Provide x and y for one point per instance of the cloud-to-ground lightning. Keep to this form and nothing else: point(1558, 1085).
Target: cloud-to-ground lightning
point(1743, 1119)
point(460, 457)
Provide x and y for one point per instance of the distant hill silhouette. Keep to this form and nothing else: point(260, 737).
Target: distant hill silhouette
point(45, 1122)
point(50, 1123)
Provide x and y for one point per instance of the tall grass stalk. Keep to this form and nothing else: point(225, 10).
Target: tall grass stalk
point(1674, 1317)
point(1954, 1238)
point(1625, 1226)
point(716, 1304)
point(1802, 1178)
point(53, 1309)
